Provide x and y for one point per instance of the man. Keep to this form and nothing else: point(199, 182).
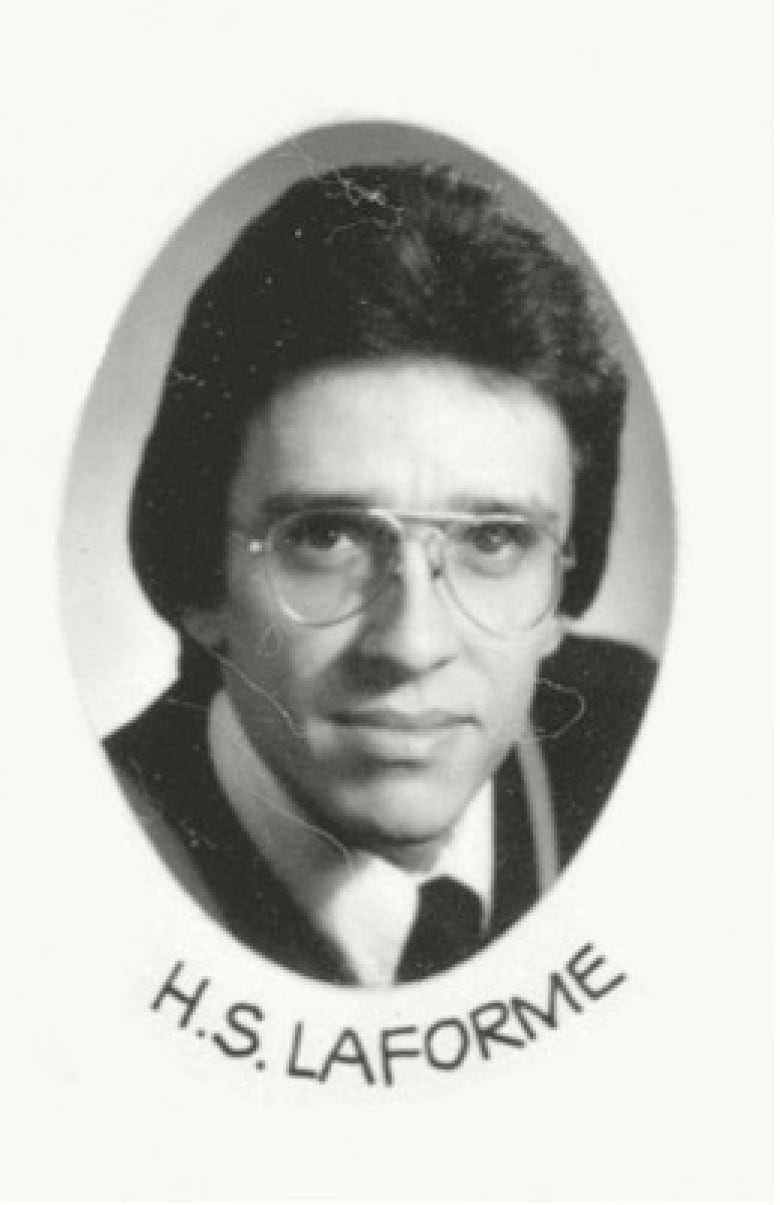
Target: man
point(380, 482)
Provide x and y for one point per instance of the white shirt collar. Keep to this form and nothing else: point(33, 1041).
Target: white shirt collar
point(364, 904)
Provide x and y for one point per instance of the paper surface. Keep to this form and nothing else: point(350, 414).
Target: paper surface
point(646, 128)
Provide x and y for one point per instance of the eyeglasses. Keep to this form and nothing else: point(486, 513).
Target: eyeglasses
point(326, 564)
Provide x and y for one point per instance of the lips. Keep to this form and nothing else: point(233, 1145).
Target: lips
point(387, 719)
point(390, 738)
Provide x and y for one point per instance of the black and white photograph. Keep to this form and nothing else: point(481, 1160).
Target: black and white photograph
point(388, 479)
point(376, 497)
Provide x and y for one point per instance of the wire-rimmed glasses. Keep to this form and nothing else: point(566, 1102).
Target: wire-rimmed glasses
point(325, 564)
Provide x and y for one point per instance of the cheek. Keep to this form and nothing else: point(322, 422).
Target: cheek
point(511, 676)
point(289, 660)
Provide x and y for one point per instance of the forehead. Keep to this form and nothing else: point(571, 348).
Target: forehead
point(413, 434)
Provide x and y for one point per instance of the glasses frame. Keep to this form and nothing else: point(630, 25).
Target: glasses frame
point(399, 521)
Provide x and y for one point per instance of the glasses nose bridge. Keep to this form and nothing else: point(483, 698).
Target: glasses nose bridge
point(424, 532)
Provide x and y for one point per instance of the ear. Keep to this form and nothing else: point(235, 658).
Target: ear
point(206, 628)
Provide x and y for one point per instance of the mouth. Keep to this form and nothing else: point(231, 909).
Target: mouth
point(392, 738)
point(387, 719)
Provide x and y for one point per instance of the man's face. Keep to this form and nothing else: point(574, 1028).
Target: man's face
point(383, 726)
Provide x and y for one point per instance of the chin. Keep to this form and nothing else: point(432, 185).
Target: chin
point(399, 812)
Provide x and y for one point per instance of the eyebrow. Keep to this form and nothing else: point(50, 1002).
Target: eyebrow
point(290, 502)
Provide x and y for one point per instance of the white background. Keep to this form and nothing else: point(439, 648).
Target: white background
point(645, 126)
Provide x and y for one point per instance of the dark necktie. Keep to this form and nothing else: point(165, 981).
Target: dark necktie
point(446, 930)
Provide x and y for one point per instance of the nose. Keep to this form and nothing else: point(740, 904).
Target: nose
point(411, 622)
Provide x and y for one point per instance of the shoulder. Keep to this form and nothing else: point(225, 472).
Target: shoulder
point(589, 704)
point(162, 761)
point(162, 765)
point(599, 657)
point(601, 682)
point(170, 729)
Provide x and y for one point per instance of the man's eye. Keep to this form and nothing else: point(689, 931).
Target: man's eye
point(320, 533)
point(324, 541)
point(498, 539)
point(316, 533)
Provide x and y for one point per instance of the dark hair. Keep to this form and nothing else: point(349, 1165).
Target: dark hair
point(368, 263)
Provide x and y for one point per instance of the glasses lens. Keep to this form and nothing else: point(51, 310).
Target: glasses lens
point(503, 572)
point(328, 564)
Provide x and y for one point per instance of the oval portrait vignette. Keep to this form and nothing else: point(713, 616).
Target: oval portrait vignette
point(367, 553)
